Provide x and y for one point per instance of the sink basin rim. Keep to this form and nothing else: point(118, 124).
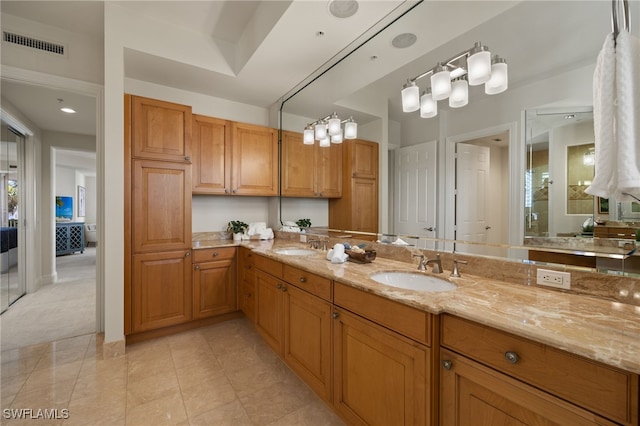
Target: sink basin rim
point(295, 252)
point(413, 281)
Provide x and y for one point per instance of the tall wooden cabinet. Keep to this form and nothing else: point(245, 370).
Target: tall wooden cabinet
point(310, 170)
point(357, 210)
point(157, 214)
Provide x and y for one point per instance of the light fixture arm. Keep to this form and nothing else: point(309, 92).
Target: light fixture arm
point(449, 62)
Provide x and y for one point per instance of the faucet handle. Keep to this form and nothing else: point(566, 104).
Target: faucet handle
point(421, 264)
point(455, 272)
point(437, 265)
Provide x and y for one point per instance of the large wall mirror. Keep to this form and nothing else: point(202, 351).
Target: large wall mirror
point(550, 48)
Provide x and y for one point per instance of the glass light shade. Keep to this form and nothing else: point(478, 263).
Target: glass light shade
point(499, 80)
point(410, 98)
point(350, 129)
point(440, 83)
point(459, 93)
point(321, 130)
point(334, 125)
point(337, 138)
point(308, 136)
point(479, 64)
point(589, 159)
point(325, 142)
point(428, 106)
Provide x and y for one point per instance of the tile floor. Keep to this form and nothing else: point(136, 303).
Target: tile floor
point(223, 374)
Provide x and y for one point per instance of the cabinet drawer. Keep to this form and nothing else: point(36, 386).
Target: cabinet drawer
point(404, 319)
point(307, 281)
point(209, 254)
point(592, 385)
point(270, 266)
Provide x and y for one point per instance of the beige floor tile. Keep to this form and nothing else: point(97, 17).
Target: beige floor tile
point(58, 358)
point(168, 410)
point(313, 414)
point(104, 367)
point(97, 386)
point(239, 360)
point(51, 376)
point(77, 342)
point(147, 389)
point(251, 379)
point(145, 367)
point(19, 367)
point(26, 352)
point(231, 414)
point(275, 401)
point(56, 395)
point(207, 395)
point(233, 342)
point(100, 408)
point(196, 373)
point(185, 356)
point(187, 339)
point(11, 386)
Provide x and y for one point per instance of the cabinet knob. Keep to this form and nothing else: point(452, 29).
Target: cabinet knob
point(511, 357)
point(187, 254)
point(303, 280)
point(284, 288)
point(248, 266)
point(215, 254)
point(187, 158)
point(197, 267)
point(279, 286)
point(446, 364)
point(354, 174)
point(335, 315)
point(234, 191)
point(226, 191)
point(320, 194)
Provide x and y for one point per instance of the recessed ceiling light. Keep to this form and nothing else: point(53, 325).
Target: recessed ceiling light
point(404, 40)
point(374, 58)
point(343, 8)
point(569, 116)
point(68, 110)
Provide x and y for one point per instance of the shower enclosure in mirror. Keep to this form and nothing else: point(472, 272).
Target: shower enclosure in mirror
point(11, 285)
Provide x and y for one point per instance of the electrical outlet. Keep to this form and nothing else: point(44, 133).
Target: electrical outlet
point(303, 238)
point(554, 279)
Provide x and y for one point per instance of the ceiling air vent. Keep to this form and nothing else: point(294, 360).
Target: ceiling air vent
point(33, 43)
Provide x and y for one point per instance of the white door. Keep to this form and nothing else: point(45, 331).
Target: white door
point(472, 177)
point(415, 190)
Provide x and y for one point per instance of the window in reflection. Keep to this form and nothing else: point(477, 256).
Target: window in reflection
point(580, 170)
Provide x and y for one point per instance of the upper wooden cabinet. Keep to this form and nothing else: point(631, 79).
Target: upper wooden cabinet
point(310, 170)
point(160, 130)
point(233, 158)
point(211, 155)
point(364, 159)
point(255, 160)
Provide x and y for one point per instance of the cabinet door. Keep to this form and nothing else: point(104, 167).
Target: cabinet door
point(473, 395)
point(161, 130)
point(329, 171)
point(269, 310)
point(307, 337)
point(211, 155)
point(214, 288)
point(161, 290)
point(161, 206)
point(364, 159)
point(246, 283)
point(364, 212)
point(298, 167)
point(380, 377)
point(255, 160)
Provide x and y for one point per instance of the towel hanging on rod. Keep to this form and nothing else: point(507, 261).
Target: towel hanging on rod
point(615, 8)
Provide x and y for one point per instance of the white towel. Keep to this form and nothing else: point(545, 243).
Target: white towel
point(628, 119)
point(603, 121)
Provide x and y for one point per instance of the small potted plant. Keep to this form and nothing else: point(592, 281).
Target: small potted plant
point(303, 223)
point(237, 227)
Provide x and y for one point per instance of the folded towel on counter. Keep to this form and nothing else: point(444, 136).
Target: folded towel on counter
point(288, 226)
point(628, 110)
point(266, 234)
point(400, 242)
point(256, 228)
point(337, 254)
point(603, 120)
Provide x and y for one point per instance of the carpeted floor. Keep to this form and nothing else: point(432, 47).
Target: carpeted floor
point(56, 311)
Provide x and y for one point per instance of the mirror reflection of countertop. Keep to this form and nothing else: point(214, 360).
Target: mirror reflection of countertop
point(595, 328)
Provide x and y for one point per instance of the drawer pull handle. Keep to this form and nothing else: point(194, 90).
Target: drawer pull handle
point(215, 254)
point(283, 288)
point(197, 267)
point(511, 357)
point(446, 364)
point(335, 315)
point(187, 254)
point(303, 280)
point(279, 287)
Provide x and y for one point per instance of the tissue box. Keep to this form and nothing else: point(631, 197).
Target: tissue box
point(366, 257)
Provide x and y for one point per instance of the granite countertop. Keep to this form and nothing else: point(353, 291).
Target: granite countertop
point(598, 329)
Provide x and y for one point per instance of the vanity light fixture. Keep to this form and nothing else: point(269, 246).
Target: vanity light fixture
point(452, 78)
point(329, 130)
point(589, 157)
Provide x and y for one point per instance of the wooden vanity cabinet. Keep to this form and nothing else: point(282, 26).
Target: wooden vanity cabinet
point(214, 282)
point(380, 375)
point(357, 210)
point(246, 283)
point(295, 320)
point(498, 377)
point(310, 170)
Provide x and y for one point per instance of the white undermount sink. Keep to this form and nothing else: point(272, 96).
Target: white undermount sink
point(413, 281)
point(295, 252)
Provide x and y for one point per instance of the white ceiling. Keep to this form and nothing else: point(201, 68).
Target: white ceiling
point(270, 48)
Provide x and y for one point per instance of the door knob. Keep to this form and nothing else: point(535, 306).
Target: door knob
point(487, 228)
point(446, 364)
point(430, 229)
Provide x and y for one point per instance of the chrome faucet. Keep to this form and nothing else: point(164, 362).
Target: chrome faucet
point(437, 264)
point(456, 273)
point(422, 266)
